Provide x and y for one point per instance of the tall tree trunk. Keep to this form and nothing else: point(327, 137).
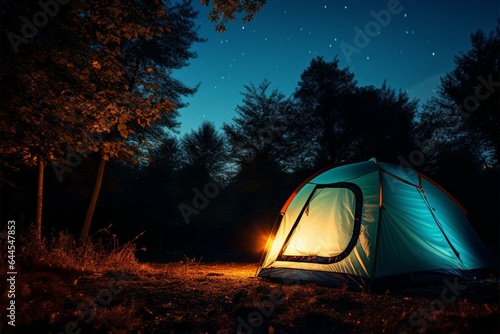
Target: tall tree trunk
point(39, 199)
point(84, 233)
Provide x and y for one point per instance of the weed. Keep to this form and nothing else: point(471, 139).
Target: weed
point(101, 253)
point(191, 260)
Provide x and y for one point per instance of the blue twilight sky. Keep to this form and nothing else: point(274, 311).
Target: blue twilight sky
point(411, 52)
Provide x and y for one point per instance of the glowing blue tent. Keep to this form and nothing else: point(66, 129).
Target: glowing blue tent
point(372, 224)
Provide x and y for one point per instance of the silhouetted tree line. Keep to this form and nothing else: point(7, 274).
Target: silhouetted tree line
point(79, 96)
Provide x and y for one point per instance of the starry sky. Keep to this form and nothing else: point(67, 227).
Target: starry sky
point(411, 50)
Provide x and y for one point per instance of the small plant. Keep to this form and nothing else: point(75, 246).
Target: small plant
point(191, 260)
point(100, 254)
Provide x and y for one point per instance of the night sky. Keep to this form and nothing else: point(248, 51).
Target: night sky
point(411, 51)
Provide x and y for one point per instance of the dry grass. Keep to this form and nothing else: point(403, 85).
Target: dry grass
point(102, 253)
point(60, 283)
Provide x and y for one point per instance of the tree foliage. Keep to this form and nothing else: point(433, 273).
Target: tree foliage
point(89, 87)
point(379, 123)
point(202, 177)
point(78, 80)
point(259, 149)
point(262, 119)
point(465, 113)
point(340, 121)
point(151, 62)
point(204, 152)
point(322, 96)
point(224, 11)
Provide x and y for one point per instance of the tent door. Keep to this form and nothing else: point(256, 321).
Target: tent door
point(327, 228)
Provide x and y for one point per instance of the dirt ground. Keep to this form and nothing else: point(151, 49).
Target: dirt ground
point(227, 298)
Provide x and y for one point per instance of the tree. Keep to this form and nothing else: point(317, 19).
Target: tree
point(154, 187)
point(379, 123)
point(338, 121)
point(323, 94)
point(203, 200)
point(259, 149)
point(148, 63)
point(466, 111)
point(36, 122)
point(204, 151)
point(224, 11)
point(262, 119)
point(203, 173)
point(80, 57)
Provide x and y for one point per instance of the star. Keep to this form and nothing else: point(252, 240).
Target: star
point(292, 50)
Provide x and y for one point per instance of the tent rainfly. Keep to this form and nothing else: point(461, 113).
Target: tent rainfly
point(373, 225)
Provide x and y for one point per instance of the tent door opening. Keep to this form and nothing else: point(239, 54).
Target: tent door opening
point(328, 226)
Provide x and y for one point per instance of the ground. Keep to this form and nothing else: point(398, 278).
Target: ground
point(197, 297)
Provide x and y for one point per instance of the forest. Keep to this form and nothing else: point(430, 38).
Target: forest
point(113, 221)
point(89, 126)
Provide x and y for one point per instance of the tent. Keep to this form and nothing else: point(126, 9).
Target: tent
point(373, 225)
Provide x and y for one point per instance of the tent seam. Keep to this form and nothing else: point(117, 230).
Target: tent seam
point(381, 204)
